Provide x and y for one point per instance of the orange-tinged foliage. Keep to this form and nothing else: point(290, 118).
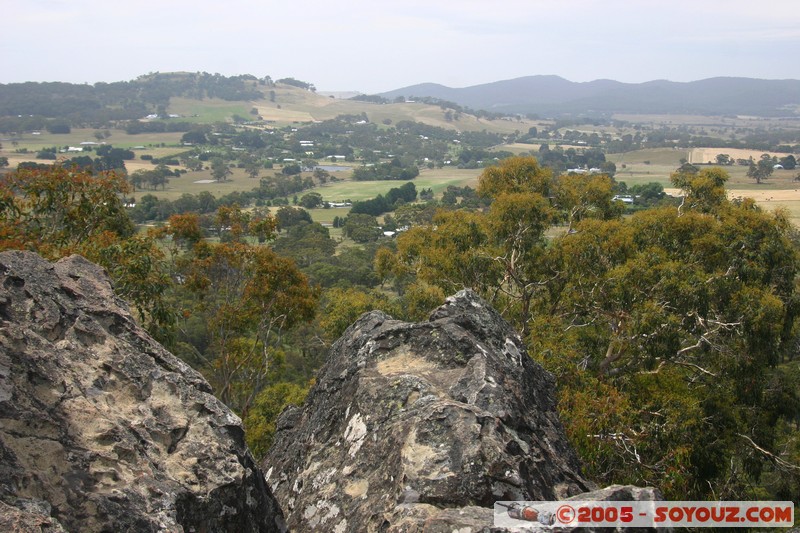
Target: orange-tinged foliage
point(62, 210)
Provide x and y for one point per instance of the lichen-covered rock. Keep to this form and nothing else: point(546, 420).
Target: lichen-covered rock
point(414, 425)
point(620, 493)
point(28, 517)
point(101, 425)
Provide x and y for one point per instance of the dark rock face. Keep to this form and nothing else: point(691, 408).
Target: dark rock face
point(422, 426)
point(101, 429)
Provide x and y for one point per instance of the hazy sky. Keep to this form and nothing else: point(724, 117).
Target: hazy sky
point(379, 45)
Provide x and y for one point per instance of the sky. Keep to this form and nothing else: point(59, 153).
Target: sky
point(373, 46)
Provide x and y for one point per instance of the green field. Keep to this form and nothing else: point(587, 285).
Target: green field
point(207, 111)
point(437, 179)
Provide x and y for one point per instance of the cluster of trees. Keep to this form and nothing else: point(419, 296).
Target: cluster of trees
point(152, 179)
point(560, 159)
point(462, 197)
point(382, 204)
point(271, 191)
point(108, 158)
point(672, 332)
point(136, 127)
point(393, 170)
point(297, 83)
point(645, 195)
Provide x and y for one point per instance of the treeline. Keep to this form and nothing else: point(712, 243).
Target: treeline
point(107, 158)
point(383, 204)
point(392, 170)
point(135, 127)
point(297, 83)
point(430, 100)
point(271, 191)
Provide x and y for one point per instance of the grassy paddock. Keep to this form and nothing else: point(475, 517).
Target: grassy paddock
point(239, 181)
point(119, 139)
point(207, 111)
point(437, 179)
point(326, 216)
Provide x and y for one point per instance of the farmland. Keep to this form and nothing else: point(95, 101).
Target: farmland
point(286, 112)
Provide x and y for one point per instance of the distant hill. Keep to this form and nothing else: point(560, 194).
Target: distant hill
point(125, 99)
point(553, 95)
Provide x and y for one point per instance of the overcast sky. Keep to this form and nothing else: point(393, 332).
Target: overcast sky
point(378, 45)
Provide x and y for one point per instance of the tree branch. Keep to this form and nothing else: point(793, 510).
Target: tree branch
point(769, 455)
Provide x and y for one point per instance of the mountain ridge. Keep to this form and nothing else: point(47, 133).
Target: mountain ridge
point(551, 94)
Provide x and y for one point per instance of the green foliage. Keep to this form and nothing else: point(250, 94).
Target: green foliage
point(396, 197)
point(59, 211)
point(311, 200)
point(762, 169)
point(56, 209)
point(305, 243)
point(195, 136)
point(59, 127)
point(246, 296)
point(393, 170)
point(342, 307)
point(515, 175)
point(361, 228)
point(291, 216)
point(664, 329)
point(297, 83)
point(268, 405)
point(451, 253)
point(351, 266)
point(219, 169)
point(419, 300)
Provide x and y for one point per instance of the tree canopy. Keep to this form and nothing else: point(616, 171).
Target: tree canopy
point(667, 329)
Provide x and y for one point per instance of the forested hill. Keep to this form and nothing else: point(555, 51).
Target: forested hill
point(123, 100)
point(553, 95)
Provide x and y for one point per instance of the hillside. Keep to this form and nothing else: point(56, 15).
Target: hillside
point(201, 98)
point(553, 95)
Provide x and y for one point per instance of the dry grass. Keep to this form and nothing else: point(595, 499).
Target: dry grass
point(709, 155)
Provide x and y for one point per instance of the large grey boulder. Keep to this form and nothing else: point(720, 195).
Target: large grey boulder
point(101, 429)
point(423, 426)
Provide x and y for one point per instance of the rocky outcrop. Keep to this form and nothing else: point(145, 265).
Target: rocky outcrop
point(422, 426)
point(101, 429)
